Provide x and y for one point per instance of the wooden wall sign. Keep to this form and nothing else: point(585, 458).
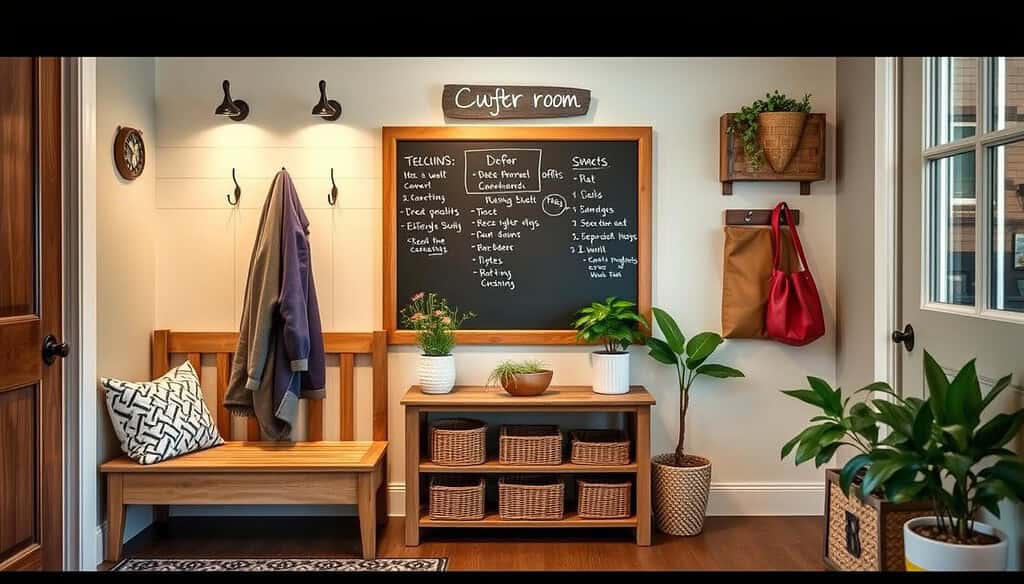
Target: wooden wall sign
point(505, 102)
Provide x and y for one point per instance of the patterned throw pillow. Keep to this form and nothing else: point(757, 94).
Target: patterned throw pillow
point(163, 418)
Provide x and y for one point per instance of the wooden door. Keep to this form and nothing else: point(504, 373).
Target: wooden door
point(30, 309)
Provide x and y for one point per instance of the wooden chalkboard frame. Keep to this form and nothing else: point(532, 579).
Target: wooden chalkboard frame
point(391, 136)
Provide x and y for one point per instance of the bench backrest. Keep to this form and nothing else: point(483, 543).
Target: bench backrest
point(346, 345)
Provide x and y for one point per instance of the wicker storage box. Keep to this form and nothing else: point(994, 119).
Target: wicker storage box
point(538, 498)
point(458, 442)
point(864, 536)
point(603, 498)
point(536, 444)
point(606, 447)
point(457, 498)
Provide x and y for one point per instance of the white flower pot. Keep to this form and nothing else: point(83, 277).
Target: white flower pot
point(611, 372)
point(928, 555)
point(437, 374)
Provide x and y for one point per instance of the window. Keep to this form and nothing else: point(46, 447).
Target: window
point(974, 185)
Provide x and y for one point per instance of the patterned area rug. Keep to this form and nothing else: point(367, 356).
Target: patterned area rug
point(283, 565)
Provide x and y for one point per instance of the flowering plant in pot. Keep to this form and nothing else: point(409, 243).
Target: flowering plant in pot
point(614, 323)
point(435, 323)
point(771, 128)
point(937, 450)
point(681, 481)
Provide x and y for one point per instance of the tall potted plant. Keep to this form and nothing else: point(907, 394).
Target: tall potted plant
point(615, 324)
point(771, 128)
point(681, 481)
point(435, 323)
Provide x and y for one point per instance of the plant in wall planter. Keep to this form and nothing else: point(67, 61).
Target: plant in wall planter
point(681, 481)
point(614, 323)
point(521, 378)
point(771, 128)
point(938, 451)
point(435, 324)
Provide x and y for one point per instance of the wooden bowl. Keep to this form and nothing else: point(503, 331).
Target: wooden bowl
point(524, 384)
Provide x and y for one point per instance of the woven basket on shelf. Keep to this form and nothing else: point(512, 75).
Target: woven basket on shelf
point(779, 134)
point(602, 499)
point(458, 442)
point(530, 444)
point(537, 498)
point(607, 447)
point(865, 536)
point(456, 498)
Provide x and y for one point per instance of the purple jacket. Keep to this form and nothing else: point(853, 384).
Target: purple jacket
point(299, 354)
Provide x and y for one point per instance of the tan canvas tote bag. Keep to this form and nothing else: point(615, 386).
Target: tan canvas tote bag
point(745, 277)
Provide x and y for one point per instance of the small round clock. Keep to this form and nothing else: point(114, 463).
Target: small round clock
point(129, 152)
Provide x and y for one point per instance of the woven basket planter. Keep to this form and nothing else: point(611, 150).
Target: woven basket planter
point(680, 494)
point(530, 444)
point(865, 536)
point(779, 134)
point(601, 499)
point(603, 447)
point(458, 442)
point(536, 498)
point(456, 498)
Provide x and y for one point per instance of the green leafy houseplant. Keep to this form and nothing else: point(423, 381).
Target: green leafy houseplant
point(613, 322)
point(434, 321)
point(745, 123)
point(937, 450)
point(688, 357)
point(507, 370)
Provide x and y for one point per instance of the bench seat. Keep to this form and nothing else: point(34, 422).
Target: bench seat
point(243, 456)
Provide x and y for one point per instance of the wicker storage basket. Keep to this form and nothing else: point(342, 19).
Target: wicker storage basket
point(602, 498)
point(457, 498)
point(607, 447)
point(537, 498)
point(458, 442)
point(537, 444)
point(864, 536)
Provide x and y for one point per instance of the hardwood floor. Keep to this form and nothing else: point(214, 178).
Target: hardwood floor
point(728, 543)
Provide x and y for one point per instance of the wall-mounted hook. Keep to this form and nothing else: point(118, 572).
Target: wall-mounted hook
point(238, 191)
point(332, 197)
point(749, 217)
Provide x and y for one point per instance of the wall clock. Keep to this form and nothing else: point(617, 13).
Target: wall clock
point(129, 152)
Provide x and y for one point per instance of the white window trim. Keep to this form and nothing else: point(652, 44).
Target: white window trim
point(981, 144)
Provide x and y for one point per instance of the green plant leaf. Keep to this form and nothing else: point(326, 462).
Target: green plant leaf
point(999, 430)
point(661, 352)
point(877, 474)
point(789, 446)
point(832, 399)
point(960, 435)
point(850, 470)
point(1010, 471)
point(995, 391)
point(718, 371)
point(702, 345)
point(937, 386)
point(807, 396)
point(825, 454)
point(963, 397)
point(670, 329)
point(958, 465)
point(922, 428)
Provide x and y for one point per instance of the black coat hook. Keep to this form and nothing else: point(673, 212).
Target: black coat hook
point(332, 197)
point(238, 191)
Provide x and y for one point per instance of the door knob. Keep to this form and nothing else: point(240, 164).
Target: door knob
point(906, 336)
point(52, 349)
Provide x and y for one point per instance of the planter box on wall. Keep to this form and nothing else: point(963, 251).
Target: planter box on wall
point(806, 166)
point(864, 536)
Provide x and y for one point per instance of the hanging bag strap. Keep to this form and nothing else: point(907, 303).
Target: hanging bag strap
point(777, 237)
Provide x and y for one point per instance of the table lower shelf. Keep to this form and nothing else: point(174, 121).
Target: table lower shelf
point(570, 519)
point(493, 466)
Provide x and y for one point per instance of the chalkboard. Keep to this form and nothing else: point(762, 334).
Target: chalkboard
point(523, 226)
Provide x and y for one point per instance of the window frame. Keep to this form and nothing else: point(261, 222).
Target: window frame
point(983, 143)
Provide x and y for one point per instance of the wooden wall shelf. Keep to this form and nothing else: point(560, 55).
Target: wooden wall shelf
point(636, 405)
point(807, 166)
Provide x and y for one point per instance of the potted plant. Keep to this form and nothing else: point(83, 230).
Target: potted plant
point(939, 451)
point(521, 378)
point(681, 481)
point(614, 323)
point(771, 128)
point(435, 324)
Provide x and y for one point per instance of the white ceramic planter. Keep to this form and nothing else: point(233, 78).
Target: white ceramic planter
point(928, 555)
point(437, 374)
point(611, 372)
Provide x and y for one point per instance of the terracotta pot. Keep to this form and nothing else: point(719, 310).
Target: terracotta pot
point(522, 384)
point(680, 494)
point(779, 134)
point(923, 554)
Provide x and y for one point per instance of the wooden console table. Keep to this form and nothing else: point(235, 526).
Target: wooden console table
point(467, 399)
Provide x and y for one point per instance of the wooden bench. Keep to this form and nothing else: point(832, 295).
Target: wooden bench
point(254, 472)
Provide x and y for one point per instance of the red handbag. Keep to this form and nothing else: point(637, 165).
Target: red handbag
point(793, 312)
